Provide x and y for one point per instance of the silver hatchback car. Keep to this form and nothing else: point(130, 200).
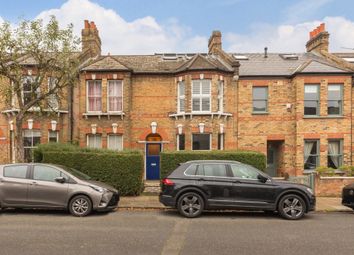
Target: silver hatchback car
point(51, 186)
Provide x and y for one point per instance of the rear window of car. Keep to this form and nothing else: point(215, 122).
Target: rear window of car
point(191, 170)
point(15, 171)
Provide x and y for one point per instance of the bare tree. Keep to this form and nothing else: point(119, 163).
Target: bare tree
point(51, 53)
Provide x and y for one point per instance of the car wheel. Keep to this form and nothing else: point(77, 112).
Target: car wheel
point(190, 205)
point(80, 206)
point(292, 207)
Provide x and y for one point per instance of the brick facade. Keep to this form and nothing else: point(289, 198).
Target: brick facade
point(150, 94)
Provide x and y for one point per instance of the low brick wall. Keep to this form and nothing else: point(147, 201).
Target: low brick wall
point(331, 186)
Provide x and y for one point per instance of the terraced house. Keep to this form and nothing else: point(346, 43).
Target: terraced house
point(294, 107)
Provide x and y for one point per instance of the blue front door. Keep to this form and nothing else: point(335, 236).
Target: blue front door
point(153, 161)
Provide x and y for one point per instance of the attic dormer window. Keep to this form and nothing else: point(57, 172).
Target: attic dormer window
point(289, 56)
point(169, 56)
point(240, 57)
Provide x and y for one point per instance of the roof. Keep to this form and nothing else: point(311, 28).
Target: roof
point(276, 65)
point(105, 63)
point(159, 63)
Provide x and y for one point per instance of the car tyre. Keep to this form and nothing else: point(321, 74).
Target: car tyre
point(190, 205)
point(292, 207)
point(80, 206)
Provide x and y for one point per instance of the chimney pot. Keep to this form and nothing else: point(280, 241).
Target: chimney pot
point(318, 39)
point(87, 24)
point(265, 52)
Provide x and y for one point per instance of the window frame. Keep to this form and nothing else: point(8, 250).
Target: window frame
point(87, 96)
point(181, 97)
point(52, 97)
point(318, 99)
point(260, 100)
point(221, 141)
point(210, 141)
point(178, 142)
point(318, 155)
point(87, 140)
point(341, 99)
point(108, 141)
point(108, 96)
point(30, 148)
point(57, 135)
point(221, 87)
point(340, 155)
point(201, 96)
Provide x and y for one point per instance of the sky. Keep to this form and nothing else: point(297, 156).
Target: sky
point(157, 26)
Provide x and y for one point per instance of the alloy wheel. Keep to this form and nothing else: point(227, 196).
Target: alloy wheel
point(191, 205)
point(292, 207)
point(80, 206)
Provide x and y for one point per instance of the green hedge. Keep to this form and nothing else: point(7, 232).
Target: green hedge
point(123, 170)
point(170, 160)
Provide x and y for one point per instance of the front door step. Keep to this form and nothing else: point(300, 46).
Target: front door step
point(151, 187)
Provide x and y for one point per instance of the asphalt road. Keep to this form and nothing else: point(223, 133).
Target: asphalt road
point(165, 232)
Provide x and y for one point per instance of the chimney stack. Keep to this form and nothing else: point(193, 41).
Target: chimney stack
point(215, 44)
point(319, 40)
point(90, 39)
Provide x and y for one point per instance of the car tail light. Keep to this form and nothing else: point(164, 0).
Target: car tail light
point(167, 182)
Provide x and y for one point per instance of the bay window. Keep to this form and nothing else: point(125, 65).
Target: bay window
point(115, 96)
point(201, 142)
point(181, 97)
point(335, 154)
point(311, 154)
point(94, 96)
point(94, 141)
point(201, 96)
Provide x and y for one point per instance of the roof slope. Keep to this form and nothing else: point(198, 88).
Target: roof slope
point(105, 63)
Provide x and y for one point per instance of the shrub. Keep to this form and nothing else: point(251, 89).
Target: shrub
point(325, 171)
point(170, 160)
point(123, 170)
point(348, 170)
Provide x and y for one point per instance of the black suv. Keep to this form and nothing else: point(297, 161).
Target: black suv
point(214, 184)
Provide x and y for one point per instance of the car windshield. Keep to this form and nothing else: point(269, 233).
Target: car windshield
point(76, 173)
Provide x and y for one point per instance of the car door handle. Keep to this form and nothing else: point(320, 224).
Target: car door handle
point(236, 181)
point(34, 183)
point(201, 179)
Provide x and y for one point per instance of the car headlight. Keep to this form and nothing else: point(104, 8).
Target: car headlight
point(310, 190)
point(98, 189)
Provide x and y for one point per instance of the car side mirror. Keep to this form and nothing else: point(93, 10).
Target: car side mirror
point(60, 179)
point(262, 178)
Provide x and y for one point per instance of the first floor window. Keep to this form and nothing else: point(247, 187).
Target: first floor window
point(115, 96)
point(53, 99)
point(335, 153)
point(31, 138)
point(201, 96)
point(311, 154)
point(260, 99)
point(221, 96)
point(221, 141)
point(181, 142)
point(201, 142)
point(181, 97)
point(94, 141)
point(311, 100)
point(53, 136)
point(94, 96)
point(115, 142)
point(335, 100)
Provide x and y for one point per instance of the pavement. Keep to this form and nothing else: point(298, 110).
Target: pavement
point(324, 204)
